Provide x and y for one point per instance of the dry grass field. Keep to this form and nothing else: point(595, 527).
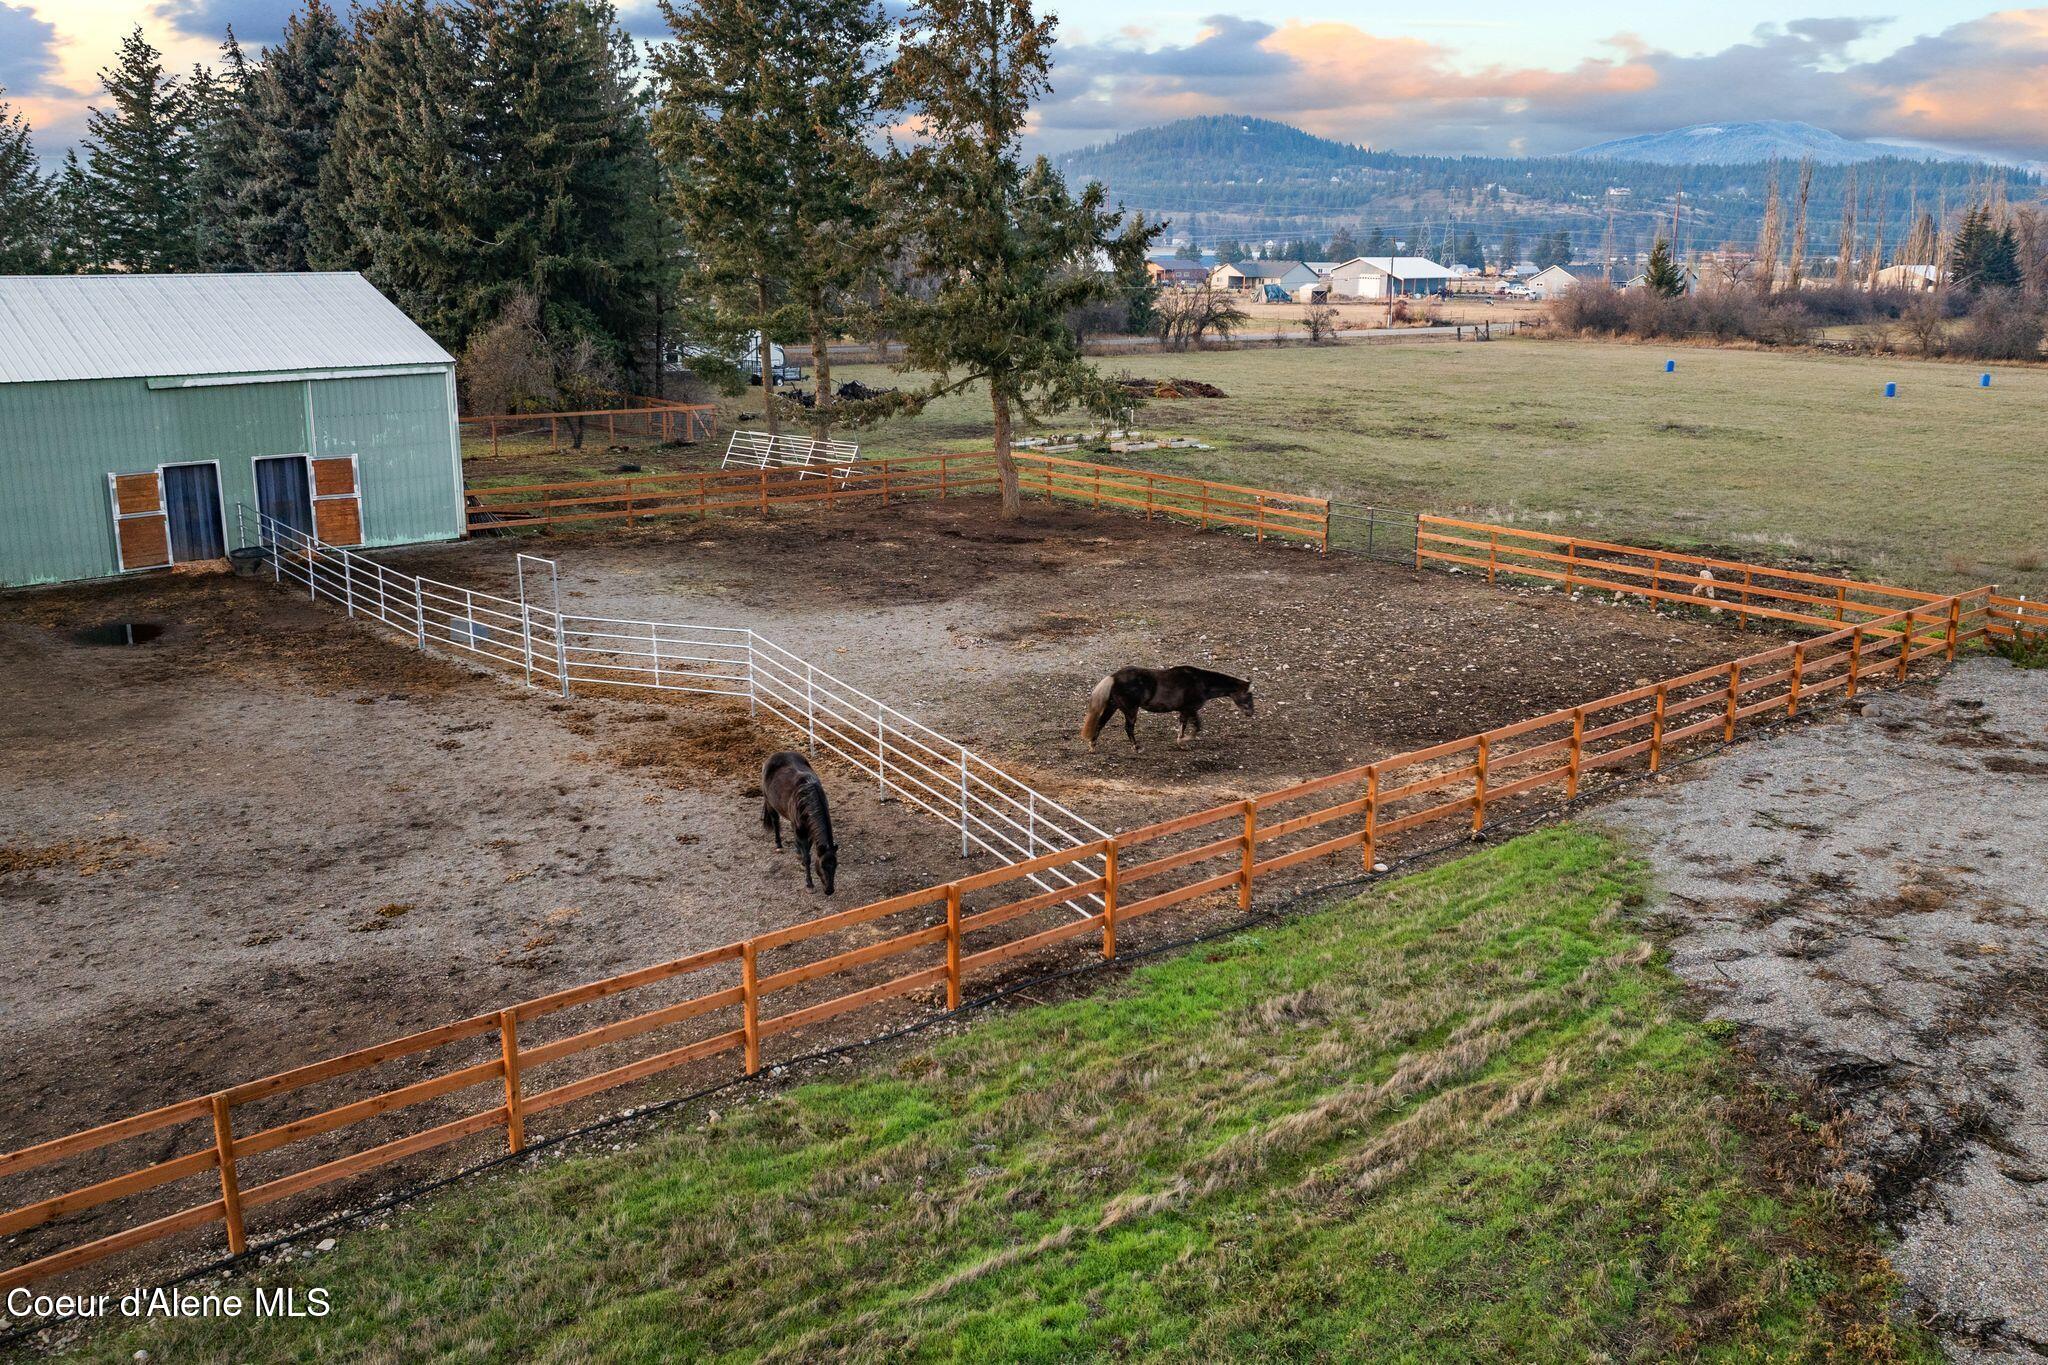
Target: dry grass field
point(1776, 456)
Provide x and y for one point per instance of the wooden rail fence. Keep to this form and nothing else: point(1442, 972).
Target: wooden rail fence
point(1203, 502)
point(654, 418)
point(2015, 618)
point(243, 1138)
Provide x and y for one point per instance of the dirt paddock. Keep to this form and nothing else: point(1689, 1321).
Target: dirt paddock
point(270, 835)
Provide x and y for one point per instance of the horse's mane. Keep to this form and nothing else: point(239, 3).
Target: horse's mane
point(1212, 677)
point(812, 794)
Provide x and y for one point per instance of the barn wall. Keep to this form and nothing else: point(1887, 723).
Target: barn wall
point(59, 441)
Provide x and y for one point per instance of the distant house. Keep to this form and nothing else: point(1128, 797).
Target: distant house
point(1641, 280)
point(1921, 277)
point(1176, 271)
point(1555, 280)
point(1379, 277)
point(1252, 277)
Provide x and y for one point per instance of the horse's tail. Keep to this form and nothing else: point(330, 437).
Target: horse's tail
point(1098, 708)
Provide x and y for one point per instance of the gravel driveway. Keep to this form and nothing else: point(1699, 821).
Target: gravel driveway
point(1863, 897)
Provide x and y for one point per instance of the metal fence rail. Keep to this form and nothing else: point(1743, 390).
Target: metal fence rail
point(995, 812)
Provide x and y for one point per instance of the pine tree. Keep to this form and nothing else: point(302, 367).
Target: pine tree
point(1662, 275)
point(998, 241)
point(296, 95)
point(75, 243)
point(1510, 249)
point(138, 154)
point(402, 174)
point(1377, 243)
point(767, 169)
point(1343, 246)
point(1230, 251)
point(561, 220)
point(26, 206)
point(1469, 253)
point(223, 132)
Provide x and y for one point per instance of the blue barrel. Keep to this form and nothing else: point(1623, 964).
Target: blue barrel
point(1891, 390)
point(1670, 365)
point(1983, 381)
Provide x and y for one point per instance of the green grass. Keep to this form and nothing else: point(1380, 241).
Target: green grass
point(1763, 453)
point(1462, 1117)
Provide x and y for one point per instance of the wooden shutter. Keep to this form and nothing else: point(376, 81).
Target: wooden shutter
point(142, 528)
point(337, 500)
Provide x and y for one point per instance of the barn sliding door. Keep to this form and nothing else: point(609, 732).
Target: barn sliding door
point(337, 500)
point(142, 528)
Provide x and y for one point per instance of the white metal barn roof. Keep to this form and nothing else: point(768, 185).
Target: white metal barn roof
point(60, 327)
point(1402, 267)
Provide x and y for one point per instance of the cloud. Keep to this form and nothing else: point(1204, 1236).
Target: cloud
point(257, 23)
point(1981, 85)
point(28, 51)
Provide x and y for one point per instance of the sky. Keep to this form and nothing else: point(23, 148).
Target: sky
point(1486, 76)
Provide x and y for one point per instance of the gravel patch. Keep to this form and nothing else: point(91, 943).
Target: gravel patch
point(1864, 898)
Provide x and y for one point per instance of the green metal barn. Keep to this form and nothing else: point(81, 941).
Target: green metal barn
point(144, 419)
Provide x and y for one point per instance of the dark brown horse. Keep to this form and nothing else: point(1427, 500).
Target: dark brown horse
point(791, 791)
point(1182, 688)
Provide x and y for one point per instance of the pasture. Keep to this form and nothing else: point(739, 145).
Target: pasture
point(1792, 458)
point(1465, 1116)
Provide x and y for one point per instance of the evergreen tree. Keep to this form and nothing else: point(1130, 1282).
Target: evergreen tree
point(1230, 251)
point(564, 201)
point(1984, 255)
point(1343, 246)
point(1469, 253)
point(996, 239)
point(761, 125)
point(1663, 275)
point(1377, 243)
point(139, 157)
point(223, 133)
point(1510, 249)
point(296, 96)
point(75, 242)
point(402, 174)
point(26, 205)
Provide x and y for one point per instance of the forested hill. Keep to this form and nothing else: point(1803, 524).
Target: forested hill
point(1224, 176)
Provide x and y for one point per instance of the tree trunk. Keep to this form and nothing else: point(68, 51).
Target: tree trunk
point(1006, 467)
point(765, 358)
point(821, 362)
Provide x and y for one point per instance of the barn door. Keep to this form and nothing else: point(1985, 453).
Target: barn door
point(142, 530)
point(337, 500)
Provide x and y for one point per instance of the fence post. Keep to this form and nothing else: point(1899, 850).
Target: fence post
point(1324, 548)
point(750, 1005)
point(753, 685)
point(1798, 676)
point(963, 803)
point(1571, 781)
point(562, 653)
point(419, 608)
point(1109, 900)
point(811, 705)
point(1372, 811)
point(1955, 621)
point(230, 1187)
point(1479, 785)
point(881, 756)
point(1734, 701)
point(515, 1102)
point(1244, 875)
point(1492, 554)
point(1657, 732)
point(1418, 542)
point(1742, 618)
point(1571, 563)
point(1855, 657)
point(1906, 644)
point(525, 625)
point(952, 945)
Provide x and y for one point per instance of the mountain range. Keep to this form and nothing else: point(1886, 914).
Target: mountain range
point(1234, 177)
point(1734, 144)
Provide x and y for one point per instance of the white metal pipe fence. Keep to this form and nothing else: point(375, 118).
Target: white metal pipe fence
point(908, 760)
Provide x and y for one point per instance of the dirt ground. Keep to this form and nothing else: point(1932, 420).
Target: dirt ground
point(994, 634)
point(1864, 898)
point(271, 835)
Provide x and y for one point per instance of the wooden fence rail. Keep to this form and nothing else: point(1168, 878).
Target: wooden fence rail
point(654, 418)
point(1202, 502)
point(2015, 618)
point(946, 932)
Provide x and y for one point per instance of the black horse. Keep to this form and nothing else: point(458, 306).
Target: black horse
point(1182, 688)
point(791, 791)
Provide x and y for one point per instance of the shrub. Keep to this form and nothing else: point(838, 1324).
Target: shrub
point(2001, 326)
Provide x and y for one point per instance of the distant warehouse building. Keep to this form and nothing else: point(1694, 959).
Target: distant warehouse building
point(139, 414)
point(1379, 277)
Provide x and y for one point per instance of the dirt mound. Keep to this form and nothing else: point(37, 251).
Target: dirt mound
point(704, 744)
point(1168, 388)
